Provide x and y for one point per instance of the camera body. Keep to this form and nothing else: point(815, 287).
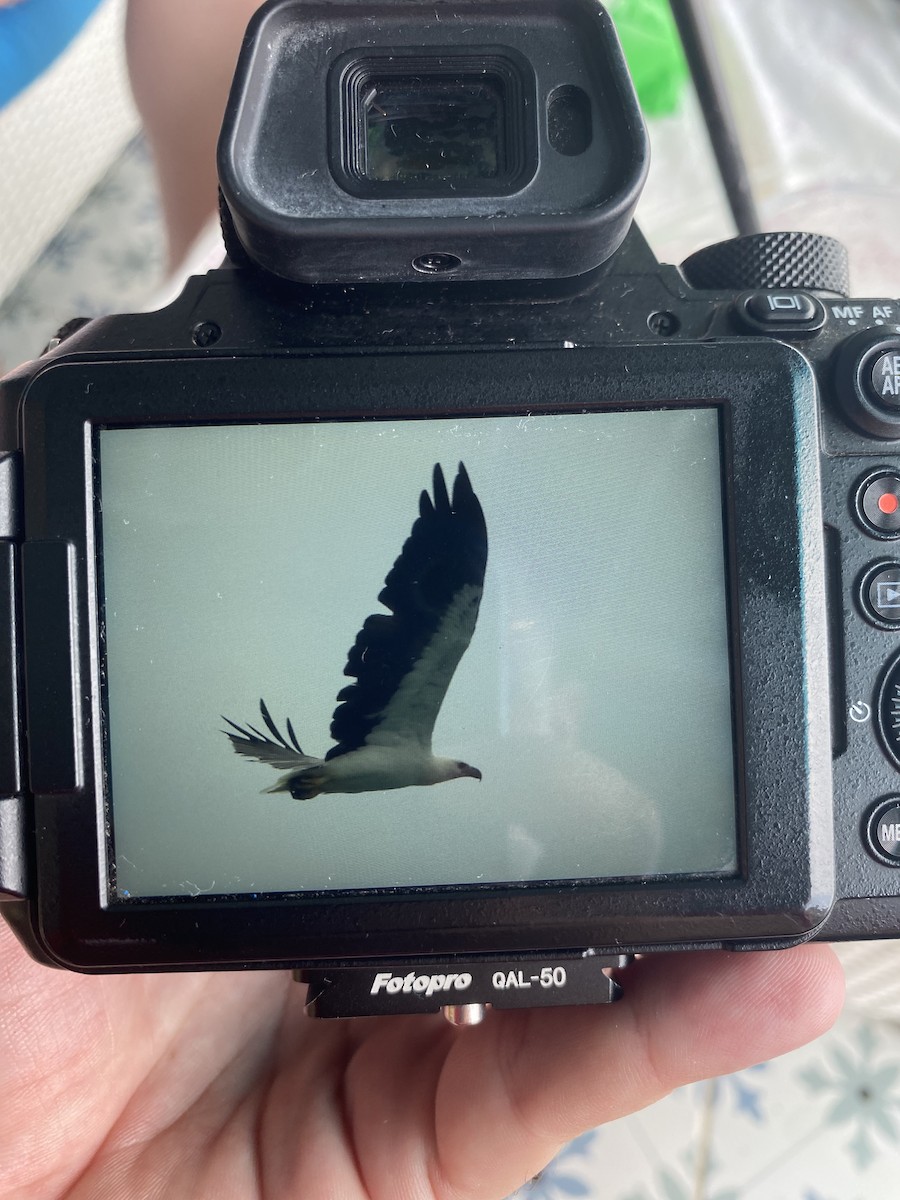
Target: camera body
point(682, 684)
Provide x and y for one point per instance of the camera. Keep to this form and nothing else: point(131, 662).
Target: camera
point(588, 565)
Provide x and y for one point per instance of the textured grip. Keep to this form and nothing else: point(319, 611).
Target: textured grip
point(771, 260)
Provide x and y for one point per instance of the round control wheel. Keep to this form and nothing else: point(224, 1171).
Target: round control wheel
point(889, 712)
point(804, 261)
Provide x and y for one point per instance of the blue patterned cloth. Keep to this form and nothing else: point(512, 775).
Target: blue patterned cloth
point(32, 34)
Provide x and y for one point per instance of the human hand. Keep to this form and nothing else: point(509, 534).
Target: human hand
point(218, 1086)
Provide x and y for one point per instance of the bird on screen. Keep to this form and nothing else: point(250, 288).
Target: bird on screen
point(402, 663)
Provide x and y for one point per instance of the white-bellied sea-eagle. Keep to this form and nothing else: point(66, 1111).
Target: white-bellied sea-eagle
point(402, 663)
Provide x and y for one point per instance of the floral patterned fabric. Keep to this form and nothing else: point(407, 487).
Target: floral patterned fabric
point(819, 1124)
point(109, 257)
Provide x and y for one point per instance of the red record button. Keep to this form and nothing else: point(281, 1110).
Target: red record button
point(878, 504)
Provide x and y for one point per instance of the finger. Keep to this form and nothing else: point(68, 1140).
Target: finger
point(518, 1087)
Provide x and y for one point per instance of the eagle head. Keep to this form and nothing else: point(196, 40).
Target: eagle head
point(463, 769)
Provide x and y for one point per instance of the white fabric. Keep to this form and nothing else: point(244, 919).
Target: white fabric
point(60, 136)
point(815, 86)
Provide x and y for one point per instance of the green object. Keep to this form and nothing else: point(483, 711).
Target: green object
point(653, 50)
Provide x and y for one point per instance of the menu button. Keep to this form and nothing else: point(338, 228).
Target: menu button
point(884, 831)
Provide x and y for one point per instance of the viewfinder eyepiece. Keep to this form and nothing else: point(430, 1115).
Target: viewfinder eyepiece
point(366, 138)
point(450, 125)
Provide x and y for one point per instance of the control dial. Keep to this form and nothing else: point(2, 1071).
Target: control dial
point(889, 712)
point(805, 261)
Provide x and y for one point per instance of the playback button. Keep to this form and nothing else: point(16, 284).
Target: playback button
point(879, 594)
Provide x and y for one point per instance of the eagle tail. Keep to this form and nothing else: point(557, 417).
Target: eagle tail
point(275, 749)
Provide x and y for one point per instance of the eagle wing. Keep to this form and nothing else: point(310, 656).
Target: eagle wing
point(403, 662)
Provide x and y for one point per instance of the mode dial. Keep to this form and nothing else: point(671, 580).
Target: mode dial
point(807, 261)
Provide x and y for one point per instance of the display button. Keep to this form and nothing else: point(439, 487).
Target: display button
point(790, 313)
point(885, 379)
point(884, 831)
point(782, 308)
point(881, 593)
point(878, 504)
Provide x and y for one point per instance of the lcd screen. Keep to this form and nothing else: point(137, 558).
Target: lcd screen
point(558, 614)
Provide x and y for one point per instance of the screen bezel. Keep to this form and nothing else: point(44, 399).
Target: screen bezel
point(785, 882)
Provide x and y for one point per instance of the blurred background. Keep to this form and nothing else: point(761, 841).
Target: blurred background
point(815, 87)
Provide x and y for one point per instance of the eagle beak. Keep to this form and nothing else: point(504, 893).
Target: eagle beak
point(474, 772)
